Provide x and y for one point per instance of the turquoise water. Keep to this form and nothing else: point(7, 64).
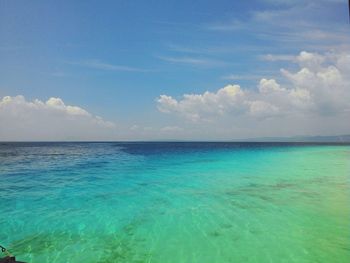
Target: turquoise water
point(175, 202)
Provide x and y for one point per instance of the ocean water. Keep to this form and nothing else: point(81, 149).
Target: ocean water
point(175, 202)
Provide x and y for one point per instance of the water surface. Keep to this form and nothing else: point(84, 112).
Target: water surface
point(175, 202)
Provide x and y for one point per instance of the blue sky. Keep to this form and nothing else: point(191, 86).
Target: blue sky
point(115, 59)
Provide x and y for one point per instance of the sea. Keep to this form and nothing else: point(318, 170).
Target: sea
point(175, 202)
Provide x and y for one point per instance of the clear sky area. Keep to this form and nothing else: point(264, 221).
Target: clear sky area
point(173, 70)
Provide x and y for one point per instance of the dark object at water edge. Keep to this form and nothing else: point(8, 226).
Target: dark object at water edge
point(9, 259)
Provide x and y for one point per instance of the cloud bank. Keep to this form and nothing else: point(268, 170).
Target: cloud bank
point(51, 120)
point(319, 88)
point(310, 97)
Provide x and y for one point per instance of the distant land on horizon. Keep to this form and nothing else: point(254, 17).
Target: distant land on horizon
point(317, 138)
point(312, 139)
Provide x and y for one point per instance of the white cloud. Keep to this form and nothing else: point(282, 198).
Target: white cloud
point(321, 86)
point(204, 106)
point(51, 120)
point(309, 60)
point(304, 59)
point(269, 85)
point(261, 108)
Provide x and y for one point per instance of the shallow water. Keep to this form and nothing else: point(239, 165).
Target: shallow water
point(175, 202)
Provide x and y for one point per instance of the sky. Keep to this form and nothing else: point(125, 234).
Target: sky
point(173, 70)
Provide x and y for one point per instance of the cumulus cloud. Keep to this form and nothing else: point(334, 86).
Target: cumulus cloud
point(51, 120)
point(204, 106)
point(261, 108)
point(320, 86)
point(269, 85)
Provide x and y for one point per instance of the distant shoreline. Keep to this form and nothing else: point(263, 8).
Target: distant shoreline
point(188, 142)
point(294, 139)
